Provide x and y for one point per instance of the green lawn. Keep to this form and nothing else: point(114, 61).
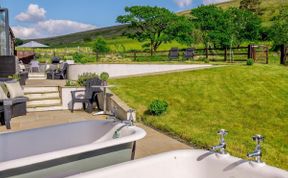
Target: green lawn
point(244, 100)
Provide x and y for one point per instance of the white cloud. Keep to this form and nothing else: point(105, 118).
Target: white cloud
point(39, 27)
point(206, 2)
point(33, 14)
point(50, 28)
point(63, 26)
point(183, 3)
point(25, 32)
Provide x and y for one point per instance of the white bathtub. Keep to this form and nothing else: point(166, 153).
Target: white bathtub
point(187, 164)
point(65, 150)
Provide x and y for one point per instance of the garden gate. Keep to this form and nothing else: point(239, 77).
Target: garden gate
point(259, 53)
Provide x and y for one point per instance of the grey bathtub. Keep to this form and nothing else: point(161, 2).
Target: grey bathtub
point(65, 150)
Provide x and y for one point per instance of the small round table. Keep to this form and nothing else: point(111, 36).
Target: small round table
point(104, 112)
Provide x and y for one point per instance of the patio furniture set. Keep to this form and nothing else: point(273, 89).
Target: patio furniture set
point(174, 53)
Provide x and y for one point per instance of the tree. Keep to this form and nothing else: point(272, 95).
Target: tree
point(279, 29)
point(100, 46)
point(208, 19)
point(244, 25)
point(155, 26)
point(251, 5)
point(226, 28)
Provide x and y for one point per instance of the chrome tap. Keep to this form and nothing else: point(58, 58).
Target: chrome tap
point(113, 115)
point(222, 145)
point(127, 123)
point(257, 153)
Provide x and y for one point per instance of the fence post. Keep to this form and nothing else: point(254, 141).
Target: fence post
point(267, 55)
point(134, 55)
point(283, 54)
point(250, 55)
point(225, 54)
point(206, 52)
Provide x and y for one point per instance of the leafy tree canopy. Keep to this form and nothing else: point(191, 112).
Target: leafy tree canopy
point(155, 26)
point(226, 28)
point(100, 46)
point(279, 29)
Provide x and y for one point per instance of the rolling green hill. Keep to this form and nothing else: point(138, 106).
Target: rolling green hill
point(83, 38)
point(270, 8)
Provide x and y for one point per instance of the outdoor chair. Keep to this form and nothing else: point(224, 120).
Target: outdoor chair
point(23, 73)
point(87, 96)
point(12, 104)
point(58, 73)
point(55, 60)
point(173, 53)
point(6, 112)
point(34, 66)
point(189, 53)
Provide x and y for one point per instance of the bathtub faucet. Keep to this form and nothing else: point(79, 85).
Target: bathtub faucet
point(113, 115)
point(222, 145)
point(127, 123)
point(257, 153)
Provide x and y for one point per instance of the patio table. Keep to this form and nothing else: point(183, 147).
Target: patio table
point(104, 87)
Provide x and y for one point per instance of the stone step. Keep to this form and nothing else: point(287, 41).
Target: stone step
point(44, 103)
point(37, 78)
point(43, 96)
point(46, 108)
point(36, 74)
point(35, 90)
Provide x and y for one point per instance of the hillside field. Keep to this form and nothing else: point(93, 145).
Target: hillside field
point(113, 34)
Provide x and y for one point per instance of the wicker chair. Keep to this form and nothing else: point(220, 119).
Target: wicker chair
point(87, 96)
point(6, 112)
point(12, 107)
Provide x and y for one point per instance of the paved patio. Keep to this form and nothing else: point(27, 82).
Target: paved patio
point(154, 142)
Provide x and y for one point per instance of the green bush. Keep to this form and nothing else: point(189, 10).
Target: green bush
point(77, 57)
point(84, 77)
point(104, 76)
point(158, 107)
point(70, 83)
point(250, 62)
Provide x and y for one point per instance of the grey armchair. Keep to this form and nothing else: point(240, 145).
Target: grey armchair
point(11, 107)
point(6, 112)
point(87, 96)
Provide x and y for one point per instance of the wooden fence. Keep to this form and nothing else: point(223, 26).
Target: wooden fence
point(212, 54)
point(204, 54)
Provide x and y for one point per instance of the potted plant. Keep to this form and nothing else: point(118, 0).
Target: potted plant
point(104, 77)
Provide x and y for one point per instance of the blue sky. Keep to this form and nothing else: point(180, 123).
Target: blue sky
point(44, 18)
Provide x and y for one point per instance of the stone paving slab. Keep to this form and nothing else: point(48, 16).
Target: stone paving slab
point(154, 142)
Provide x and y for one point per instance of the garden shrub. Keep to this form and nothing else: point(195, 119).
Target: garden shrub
point(158, 107)
point(84, 77)
point(104, 76)
point(250, 62)
point(77, 57)
point(70, 83)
